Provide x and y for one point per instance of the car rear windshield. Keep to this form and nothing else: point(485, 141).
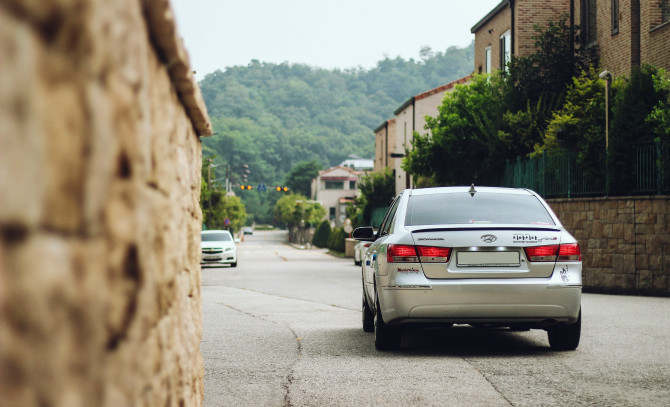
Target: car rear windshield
point(482, 208)
point(216, 237)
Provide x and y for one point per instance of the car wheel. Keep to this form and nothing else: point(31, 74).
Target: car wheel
point(357, 263)
point(368, 316)
point(386, 337)
point(233, 264)
point(565, 337)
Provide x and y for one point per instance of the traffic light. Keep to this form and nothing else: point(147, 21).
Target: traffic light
point(281, 189)
point(249, 187)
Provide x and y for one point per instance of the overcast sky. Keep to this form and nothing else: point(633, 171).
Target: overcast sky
point(322, 33)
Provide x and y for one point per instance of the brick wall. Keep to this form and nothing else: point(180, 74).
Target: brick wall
point(99, 215)
point(625, 242)
point(655, 36)
point(489, 35)
point(385, 145)
point(404, 124)
point(615, 49)
point(531, 12)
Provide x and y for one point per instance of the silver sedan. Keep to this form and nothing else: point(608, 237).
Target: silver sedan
point(480, 256)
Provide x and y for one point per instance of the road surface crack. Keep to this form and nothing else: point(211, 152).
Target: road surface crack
point(288, 381)
point(490, 382)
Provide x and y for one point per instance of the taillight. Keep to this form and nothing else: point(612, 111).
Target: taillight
point(412, 254)
point(570, 252)
point(397, 253)
point(564, 252)
point(429, 254)
point(541, 253)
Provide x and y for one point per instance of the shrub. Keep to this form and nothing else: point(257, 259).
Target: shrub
point(336, 240)
point(322, 234)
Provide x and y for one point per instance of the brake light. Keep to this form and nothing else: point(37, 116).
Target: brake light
point(541, 253)
point(430, 254)
point(570, 252)
point(564, 252)
point(397, 253)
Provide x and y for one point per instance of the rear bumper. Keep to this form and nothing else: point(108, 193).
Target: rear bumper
point(538, 302)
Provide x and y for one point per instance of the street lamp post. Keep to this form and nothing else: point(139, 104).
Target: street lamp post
point(607, 76)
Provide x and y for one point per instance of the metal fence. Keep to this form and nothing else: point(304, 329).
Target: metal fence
point(564, 175)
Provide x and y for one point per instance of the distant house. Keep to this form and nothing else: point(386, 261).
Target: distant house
point(385, 139)
point(411, 117)
point(335, 188)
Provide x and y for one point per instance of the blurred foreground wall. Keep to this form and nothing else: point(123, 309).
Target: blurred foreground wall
point(100, 162)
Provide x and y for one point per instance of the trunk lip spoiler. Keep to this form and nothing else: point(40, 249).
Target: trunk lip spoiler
point(472, 228)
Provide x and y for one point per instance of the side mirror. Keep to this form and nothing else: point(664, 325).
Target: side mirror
point(366, 234)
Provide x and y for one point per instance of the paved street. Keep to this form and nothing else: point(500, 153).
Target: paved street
point(284, 329)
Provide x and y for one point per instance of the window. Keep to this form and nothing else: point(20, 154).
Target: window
point(615, 17)
point(334, 184)
point(352, 184)
point(505, 50)
point(332, 213)
point(483, 208)
point(588, 22)
point(665, 11)
point(386, 225)
point(487, 60)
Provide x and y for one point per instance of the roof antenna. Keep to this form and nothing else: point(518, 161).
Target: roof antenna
point(472, 190)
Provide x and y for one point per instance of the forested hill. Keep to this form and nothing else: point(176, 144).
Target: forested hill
point(272, 116)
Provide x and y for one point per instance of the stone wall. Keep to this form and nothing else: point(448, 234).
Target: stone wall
point(625, 242)
point(99, 215)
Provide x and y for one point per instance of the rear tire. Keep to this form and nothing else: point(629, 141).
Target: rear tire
point(386, 337)
point(233, 264)
point(368, 317)
point(565, 337)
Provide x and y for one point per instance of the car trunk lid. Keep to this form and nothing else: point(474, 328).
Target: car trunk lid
point(486, 252)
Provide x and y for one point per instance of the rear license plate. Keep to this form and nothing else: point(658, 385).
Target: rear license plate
point(488, 259)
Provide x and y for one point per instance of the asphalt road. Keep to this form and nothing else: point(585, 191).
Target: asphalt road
point(284, 329)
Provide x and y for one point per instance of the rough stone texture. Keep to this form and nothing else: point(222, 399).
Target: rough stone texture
point(99, 215)
point(625, 242)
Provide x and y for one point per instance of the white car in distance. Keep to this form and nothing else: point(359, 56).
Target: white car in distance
point(218, 248)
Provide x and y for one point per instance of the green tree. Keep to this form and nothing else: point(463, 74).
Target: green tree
point(465, 146)
point(579, 125)
point(630, 126)
point(292, 208)
point(336, 240)
point(377, 191)
point(217, 206)
point(299, 179)
point(322, 234)
point(660, 114)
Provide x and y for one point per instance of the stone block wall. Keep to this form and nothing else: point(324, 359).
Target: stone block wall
point(99, 206)
point(625, 242)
